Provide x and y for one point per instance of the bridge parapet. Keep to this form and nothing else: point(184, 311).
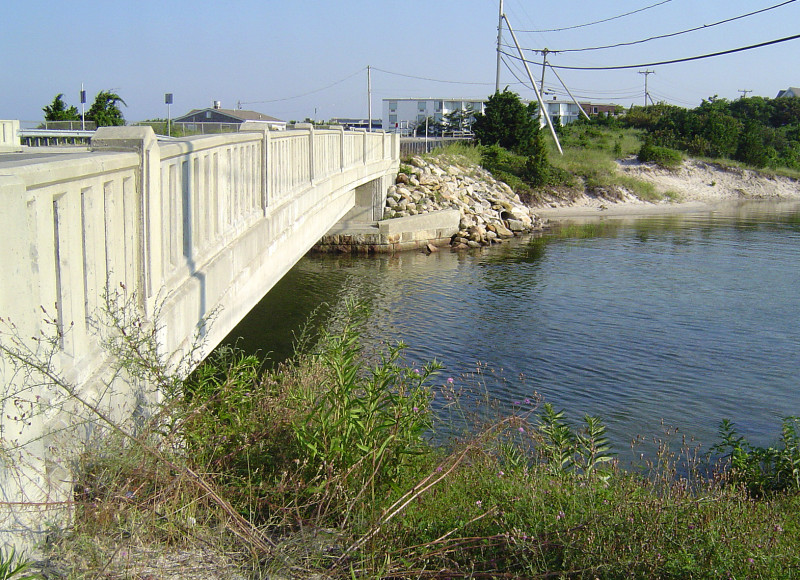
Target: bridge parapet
point(9, 135)
point(188, 228)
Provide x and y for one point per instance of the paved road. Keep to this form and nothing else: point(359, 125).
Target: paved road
point(28, 155)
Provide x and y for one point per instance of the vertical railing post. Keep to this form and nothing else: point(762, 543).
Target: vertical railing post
point(265, 161)
point(142, 140)
point(311, 153)
point(342, 148)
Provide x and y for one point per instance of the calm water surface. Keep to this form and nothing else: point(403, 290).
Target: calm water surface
point(683, 319)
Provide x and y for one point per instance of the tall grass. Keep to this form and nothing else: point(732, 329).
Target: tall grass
point(456, 153)
point(326, 465)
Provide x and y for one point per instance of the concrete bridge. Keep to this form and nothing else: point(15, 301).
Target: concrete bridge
point(181, 230)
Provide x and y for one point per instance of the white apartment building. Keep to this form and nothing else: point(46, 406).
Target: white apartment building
point(402, 115)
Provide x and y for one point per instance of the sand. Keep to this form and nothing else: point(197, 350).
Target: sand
point(696, 186)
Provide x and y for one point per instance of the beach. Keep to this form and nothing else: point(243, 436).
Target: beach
point(695, 186)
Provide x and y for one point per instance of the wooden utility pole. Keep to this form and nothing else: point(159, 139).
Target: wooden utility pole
point(499, 40)
point(544, 65)
point(646, 73)
point(744, 92)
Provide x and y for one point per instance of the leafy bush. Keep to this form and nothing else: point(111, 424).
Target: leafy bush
point(661, 156)
point(763, 470)
point(372, 416)
point(315, 431)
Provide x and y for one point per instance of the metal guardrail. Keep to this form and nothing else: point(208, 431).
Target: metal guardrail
point(49, 137)
point(58, 125)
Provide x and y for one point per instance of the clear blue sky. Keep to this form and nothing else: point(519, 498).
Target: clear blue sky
point(268, 50)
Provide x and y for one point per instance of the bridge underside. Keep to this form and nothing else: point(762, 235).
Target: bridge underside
point(230, 284)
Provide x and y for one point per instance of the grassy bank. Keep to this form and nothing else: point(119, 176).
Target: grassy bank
point(587, 166)
point(327, 467)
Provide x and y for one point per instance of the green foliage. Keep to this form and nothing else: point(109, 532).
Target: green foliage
point(58, 110)
point(757, 131)
point(661, 156)
point(344, 425)
point(524, 172)
point(13, 566)
point(364, 415)
point(763, 470)
point(456, 153)
point(336, 439)
point(537, 167)
point(105, 110)
point(565, 448)
point(506, 122)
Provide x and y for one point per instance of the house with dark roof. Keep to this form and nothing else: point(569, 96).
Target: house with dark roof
point(790, 92)
point(231, 117)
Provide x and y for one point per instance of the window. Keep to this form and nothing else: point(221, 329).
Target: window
point(438, 106)
point(393, 106)
point(422, 106)
point(393, 119)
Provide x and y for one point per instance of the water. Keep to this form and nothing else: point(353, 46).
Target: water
point(669, 320)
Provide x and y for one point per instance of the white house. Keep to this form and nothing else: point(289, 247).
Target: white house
point(790, 92)
point(402, 115)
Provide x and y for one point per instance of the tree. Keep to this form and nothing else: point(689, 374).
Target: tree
point(537, 166)
point(58, 110)
point(506, 122)
point(104, 111)
point(434, 128)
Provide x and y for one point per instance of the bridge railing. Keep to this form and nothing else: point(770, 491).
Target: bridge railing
point(210, 189)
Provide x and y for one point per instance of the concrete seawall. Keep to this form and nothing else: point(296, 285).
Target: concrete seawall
point(393, 235)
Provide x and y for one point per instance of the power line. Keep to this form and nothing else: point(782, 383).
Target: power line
point(427, 78)
point(599, 21)
point(671, 34)
point(663, 62)
point(305, 94)
point(514, 74)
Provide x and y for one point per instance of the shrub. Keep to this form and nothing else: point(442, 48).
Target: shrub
point(506, 121)
point(763, 470)
point(661, 156)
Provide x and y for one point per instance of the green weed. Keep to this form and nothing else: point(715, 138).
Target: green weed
point(762, 470)
point(14, 566)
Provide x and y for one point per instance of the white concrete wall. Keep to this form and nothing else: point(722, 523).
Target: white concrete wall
point(204, 225)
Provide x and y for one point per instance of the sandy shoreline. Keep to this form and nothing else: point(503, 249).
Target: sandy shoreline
point(697, 187)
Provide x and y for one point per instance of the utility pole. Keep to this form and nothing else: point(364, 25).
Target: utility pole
point(542, 111)
point(744, 92)
point(499, 40)
point(369, 99)
point(646, 73)
point(544, 65)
